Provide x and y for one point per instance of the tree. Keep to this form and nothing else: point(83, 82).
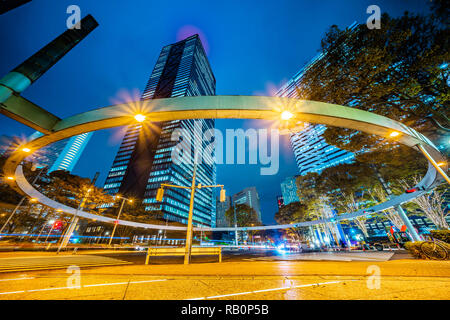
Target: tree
point(378, 195)
point(352, 205)
point(431, 204)
point(70, 190)
point(292, 213)
point(399, 71)
point(245, 216)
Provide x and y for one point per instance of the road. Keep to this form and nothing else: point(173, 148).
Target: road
point(240, 276)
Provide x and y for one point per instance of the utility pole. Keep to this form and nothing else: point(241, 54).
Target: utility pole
point(193, 187)
point(187, 253)
point(118, 216)
point(235, 227)
point(73, 223)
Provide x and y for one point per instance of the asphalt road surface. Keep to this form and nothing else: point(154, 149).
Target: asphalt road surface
point(240, 276)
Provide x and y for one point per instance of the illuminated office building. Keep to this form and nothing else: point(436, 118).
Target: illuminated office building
point(144, 158)
point(289, 190)
point(311, 152)
point(61, 155)
point(250, 197)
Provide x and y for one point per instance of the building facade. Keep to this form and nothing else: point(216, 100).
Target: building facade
point(250, 197)
point(311, 152)
point(61, 155)
point(289, 190)
point(221, 209)
point(144, 159)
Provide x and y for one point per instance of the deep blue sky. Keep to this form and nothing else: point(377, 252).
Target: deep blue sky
point(253, 48)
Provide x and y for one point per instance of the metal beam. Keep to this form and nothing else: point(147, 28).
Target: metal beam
point(269, 108)
point(28, 113)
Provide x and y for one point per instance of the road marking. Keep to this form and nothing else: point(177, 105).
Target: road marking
point(48, 289)
point(265, 290)
point(24, 278)
point(85, 286)
point(104, 284)
point(12, 292)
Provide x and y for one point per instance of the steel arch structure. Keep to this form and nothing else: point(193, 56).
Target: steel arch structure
point(220, 107)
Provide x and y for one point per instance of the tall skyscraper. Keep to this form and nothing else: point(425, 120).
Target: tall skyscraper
point(289, 190)
point(311, 152)
point(144, 158)
point(61, 155)
point(250, 197)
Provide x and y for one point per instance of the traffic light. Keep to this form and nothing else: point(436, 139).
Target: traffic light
point(222, 195)
point(160, 194)
point(411, 190)
point(57, 224)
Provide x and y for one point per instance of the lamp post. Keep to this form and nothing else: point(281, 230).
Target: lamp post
point(118, 216)
point(193, 187)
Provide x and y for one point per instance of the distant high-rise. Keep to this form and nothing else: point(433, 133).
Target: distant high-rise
point(6, 143)
point(289, 190)
point(221, 209)
point(61, 155)
point(250, 197)
point(144, 158)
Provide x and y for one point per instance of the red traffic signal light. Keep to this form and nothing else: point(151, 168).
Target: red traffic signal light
point(411, 190)
point(57, 224)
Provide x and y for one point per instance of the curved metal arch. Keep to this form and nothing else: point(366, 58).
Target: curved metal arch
point(251, 107)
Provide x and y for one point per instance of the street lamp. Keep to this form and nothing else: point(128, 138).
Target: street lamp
point(193, 187)
point(286, 115)
point(394, 134)
point(118, 216)
point(139, 117)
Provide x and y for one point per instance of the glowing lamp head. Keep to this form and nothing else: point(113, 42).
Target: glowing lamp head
point(33, 199)
point(10, 178)
point(394, 134)
point(139, 117)
point(26, 150)
point(286, 115)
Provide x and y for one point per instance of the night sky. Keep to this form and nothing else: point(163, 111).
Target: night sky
point(253, 47)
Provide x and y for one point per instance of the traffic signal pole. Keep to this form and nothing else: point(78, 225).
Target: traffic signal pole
point(188, 249)
point(116, 222)
point(193, 187)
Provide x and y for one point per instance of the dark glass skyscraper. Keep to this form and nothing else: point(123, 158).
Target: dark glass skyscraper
point(144, 158)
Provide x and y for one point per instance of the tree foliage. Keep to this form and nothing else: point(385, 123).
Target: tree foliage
point(400, 71)
point(292, 213)
point(245, 216)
